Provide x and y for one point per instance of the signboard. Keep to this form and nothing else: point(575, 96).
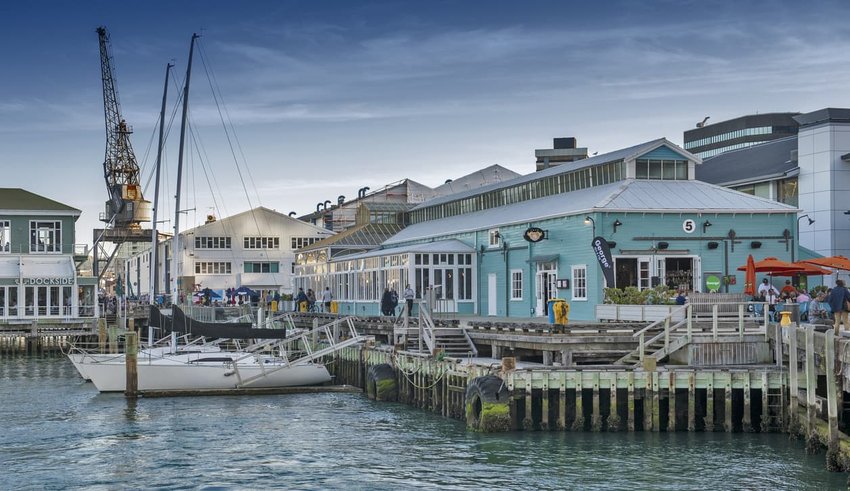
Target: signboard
point(603, 255)
point(712, 282)
point(689, 226)
point(44, 281)
point(534, 234)
point(563, 284)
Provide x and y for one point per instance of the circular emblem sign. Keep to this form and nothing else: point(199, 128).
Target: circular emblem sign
point(712, 282)
point(689, 226)
point(534, 234)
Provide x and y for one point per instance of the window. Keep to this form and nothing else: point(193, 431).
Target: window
point(262, 267)
point(299, 242)
point(261, 243)
point(495, 238)
point(579, 282)
point(5, 236)
point(212, 267)
point(787, 192)
point(212, 242)
point(516, 284)
point(45, 236)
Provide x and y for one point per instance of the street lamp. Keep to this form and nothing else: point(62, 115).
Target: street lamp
point(588, 220)
point(811, 221)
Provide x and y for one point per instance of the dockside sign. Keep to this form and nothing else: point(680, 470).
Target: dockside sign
point(603, 255)
point(44, 281)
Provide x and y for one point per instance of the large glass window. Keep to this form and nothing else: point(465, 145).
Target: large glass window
point(212, 242)
point(787, 192)
point(45, 236)
point(5, 236)
point(261, 243)
point(212, 267)
point(262, 267)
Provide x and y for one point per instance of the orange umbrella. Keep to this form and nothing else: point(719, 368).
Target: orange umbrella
point(834, 262)
point(750, 277)
point(808, 269)
point(773, 265)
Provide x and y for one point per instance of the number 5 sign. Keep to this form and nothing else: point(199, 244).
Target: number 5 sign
point(689, 226)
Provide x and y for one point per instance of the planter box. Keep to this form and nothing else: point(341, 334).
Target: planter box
point(636, 313)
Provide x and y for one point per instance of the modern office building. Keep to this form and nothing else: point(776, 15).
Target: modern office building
point(38, 274)
point(810, 170)
point(709, 140)
point(507, 248)
point(563, 150)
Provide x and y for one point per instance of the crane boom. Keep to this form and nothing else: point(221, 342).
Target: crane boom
point(126, 207)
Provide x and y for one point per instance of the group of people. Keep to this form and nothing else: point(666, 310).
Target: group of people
point(389, 300)
point(309, 298)
point(835, 301)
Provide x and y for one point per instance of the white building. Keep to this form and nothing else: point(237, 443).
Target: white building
point(253, 249)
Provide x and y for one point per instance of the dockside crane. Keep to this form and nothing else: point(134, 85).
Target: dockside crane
point(126, 208)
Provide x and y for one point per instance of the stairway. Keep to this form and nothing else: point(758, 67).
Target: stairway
point(654, 344)
point(451, 341)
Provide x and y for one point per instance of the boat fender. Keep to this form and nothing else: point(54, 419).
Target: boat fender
point(488, 405)
point(381, 384)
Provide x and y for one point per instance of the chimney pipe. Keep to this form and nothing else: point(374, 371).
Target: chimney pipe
point(327, 202)
point(292, 213)
point(318, 206)
point(340, 200)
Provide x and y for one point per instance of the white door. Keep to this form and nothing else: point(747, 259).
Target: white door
point(491, 294)
point(545, 286)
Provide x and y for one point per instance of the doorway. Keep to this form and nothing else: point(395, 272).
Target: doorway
point(545, 286)
point(491, 294)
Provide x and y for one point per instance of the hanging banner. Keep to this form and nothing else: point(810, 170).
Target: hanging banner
point(603, 255)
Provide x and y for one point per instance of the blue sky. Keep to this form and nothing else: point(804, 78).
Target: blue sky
point(328, 97)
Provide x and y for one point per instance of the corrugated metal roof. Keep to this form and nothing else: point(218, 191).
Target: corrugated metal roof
point(629, 196)
point(450, 245)
point(369, 235)
point(769, 160)
point(622, 154)
point(18, 199)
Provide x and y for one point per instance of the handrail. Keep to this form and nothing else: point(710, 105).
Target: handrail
point(666, 318)
point(426, 328)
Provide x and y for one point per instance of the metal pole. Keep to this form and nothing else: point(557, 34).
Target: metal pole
point(154, 233)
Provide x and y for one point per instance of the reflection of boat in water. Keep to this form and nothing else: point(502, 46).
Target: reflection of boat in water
point(288, 362)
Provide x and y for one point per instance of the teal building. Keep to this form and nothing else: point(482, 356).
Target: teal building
point(506, 249)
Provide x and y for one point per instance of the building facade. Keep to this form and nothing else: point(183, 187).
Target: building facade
point(38, 275)
point(508, 248)
point(709, 140)
point(255, 249)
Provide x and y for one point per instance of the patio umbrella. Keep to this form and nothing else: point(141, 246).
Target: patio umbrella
point(834, 262)
point(772, 265)
point(808, 270)
point(207, 292)
point(750, 277)
point(244, 290)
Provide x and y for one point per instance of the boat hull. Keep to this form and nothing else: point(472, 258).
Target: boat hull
point(112, 377)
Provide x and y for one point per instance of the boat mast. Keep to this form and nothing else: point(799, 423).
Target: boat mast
point(154, 235)
point(176, 247)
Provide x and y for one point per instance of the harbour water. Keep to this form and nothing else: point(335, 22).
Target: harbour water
point(59, 433)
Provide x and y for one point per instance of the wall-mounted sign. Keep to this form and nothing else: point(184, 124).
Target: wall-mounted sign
point(534, 234)
point(563, 284)
point(689, 226)
point(712, 282)
point(603, 255)
point(44, 281)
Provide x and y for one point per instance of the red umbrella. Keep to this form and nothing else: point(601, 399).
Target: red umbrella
point(750, 277)
point(834, 262)
point(808, 269)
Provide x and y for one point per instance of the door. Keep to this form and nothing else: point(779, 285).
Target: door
point(545, 284)
point(491, 294)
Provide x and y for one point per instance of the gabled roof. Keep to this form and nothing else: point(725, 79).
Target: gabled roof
point(369, 235)
point(623, 154)
point(492, 174)
point(265, 211)
point(20, 200)
point(762, 162)
point(641, 196)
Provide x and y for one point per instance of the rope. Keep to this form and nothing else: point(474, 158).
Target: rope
point(412, 372)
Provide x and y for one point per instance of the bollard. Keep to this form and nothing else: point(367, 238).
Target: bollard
point(131, 340)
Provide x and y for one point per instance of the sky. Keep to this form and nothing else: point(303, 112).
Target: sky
point(296, 102)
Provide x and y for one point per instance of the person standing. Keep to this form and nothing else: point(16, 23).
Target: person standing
point(409, 295)
point(837, 300)
point(327, 297)
point(386, 302)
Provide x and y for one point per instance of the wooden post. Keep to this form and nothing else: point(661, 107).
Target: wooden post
point(811, 380)
point(656, 406)
point(831, 392)
point(613, 415)
point(596, 418)
point(562, 401)
point(766, 318)
point(648, 397)
point(741, 322)
point(667, 333)
point(747, 419)
point(528, 421)
point(709, 402)
point(578, 422)
point(101, 334)
point(671, 401)
point(630, 423)
point(765, 403)
point(131, 390)
point(793, 375)
point(544, 403)
point(641, 347)
point(714, 322)
point(690, 314)
point(692, 401)
point(727, 409)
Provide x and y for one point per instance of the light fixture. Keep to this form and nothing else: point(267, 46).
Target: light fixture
point(612, 244)
point(811, 220)
point(588, 220)
point(617, 223)
point(755, 244)
point(705, 225)
point(663, 245)
point(713, 245)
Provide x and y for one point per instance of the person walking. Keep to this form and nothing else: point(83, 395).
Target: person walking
point(386, 302)
point(327, 297)
point(409, 295)
point(838, 301)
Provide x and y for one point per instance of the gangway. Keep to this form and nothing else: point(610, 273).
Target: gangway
point(331, 332)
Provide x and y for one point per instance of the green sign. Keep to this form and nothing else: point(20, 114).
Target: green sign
point(712, 283)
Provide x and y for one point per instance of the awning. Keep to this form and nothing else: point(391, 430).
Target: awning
point(544, 259)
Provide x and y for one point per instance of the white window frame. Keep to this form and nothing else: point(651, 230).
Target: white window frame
point(514, 297)
point(55, 233)
point(5, 236)
point(576, 268)
point(495, 238)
